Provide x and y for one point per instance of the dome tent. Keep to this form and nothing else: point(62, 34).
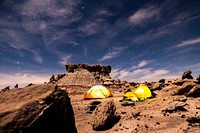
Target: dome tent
point(142, 92)
point(130, 96)
point(97, 91)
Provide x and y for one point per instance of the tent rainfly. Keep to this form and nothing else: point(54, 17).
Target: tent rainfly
point(98, 91)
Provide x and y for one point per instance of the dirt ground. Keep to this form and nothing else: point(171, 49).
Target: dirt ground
point(143, 117)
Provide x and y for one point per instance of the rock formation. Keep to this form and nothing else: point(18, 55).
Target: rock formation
point(5, 89)
point(38, 108)
point(187, 75)
point(97, 70)
point(83, 75)
point(103, 115)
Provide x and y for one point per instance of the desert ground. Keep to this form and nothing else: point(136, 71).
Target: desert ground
point(149, 116)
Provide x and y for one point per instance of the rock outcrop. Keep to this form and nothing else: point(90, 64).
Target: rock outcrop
point(39, 108)
point(81, 77)
point(187, 75)
point(5, 89)
point(54, 79)
point(97, 70)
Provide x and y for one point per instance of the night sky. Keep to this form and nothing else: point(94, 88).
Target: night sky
point(143, 40)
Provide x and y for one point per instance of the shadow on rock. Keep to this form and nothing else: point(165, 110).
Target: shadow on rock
point(111, 123)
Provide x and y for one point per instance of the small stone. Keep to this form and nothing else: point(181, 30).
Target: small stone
point(158, 123)
point(183, 116)
point(138, 119)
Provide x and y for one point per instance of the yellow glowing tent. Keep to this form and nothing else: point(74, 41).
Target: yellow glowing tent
point(97, 91)
point(130, 96)
point(142, 92)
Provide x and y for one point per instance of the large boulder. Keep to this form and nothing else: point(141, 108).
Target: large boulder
point(194, 92)
point(103, 115)
point(39, 108)
point(187, 75)
point(185, 88)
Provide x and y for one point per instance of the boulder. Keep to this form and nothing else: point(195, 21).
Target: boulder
point(194, 92)
point(103, 115)
point(38, 108)
point(192, 120)
point(198, 79)
point(187, 75)
point(162, 81)
point(174, 106)
point(31, 84)
point(16, 86)
point(5, 89)
point(59, 77)
point(52, 79)
point(185, 88)
point(156, 86)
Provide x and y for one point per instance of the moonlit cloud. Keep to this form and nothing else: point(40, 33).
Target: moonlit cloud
point(22, 79)
point(16, 39)
point(190, 42)
point(112, 54)
point(142, 75)
point(104, 13)
point(144, 14)
point(65, 60)
point(141, 64)
point(44, 16)
point(38, 59)
point(91, 27)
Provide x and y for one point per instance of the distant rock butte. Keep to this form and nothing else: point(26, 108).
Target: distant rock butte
point(84, 75)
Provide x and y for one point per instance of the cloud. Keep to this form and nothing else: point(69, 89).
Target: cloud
point(189, 42)
point(48, 18)
point(91, 27)
point(16, 39)
point(23, 79)
point(142, 15)
point(37, 15)
point(141, 64)
point(113, 54)
point(142, 75)
point(103, 13)
point(65, 60)
point(48, 7)
point(38, 58)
